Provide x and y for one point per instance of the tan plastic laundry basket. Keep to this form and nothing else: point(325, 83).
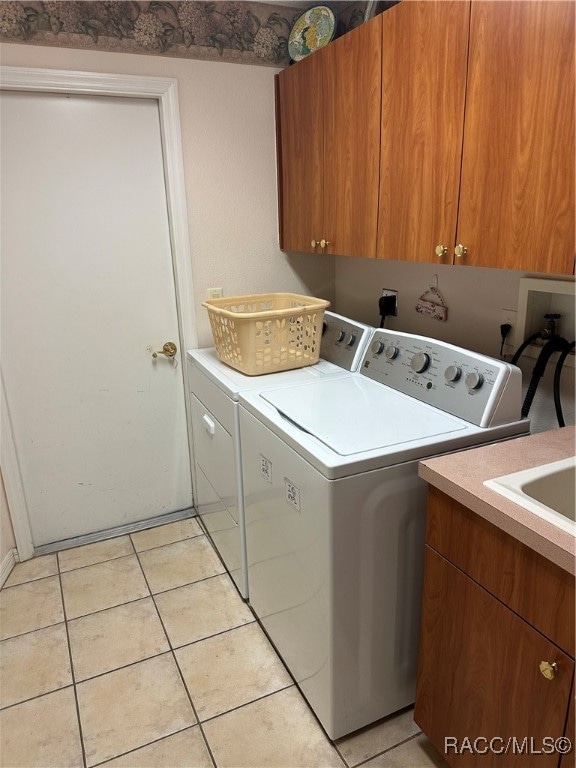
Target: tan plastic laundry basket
point(267, 332)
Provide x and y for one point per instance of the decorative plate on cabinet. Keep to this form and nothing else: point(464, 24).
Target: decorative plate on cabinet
point(312, 30)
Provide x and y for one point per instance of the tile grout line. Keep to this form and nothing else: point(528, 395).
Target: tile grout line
point(148, 744)
point(175, 660)
point(72, 672)
point(108, 559)
point(169, 649)
point(166, 543)
point(31, 581)
point(247, 703)
point(31, 631)
point(99, 562)
point(385, 751)
point(111, 607)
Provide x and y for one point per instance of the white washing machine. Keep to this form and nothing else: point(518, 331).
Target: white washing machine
point(214, 390)
point(335, 512)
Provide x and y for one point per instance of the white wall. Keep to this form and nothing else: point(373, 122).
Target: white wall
point(228, 132)
point(475, 298)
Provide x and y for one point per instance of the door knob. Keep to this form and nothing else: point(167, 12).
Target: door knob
point(460, 251)
point(169, 350)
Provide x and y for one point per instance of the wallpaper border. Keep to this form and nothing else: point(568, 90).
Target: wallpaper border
point(235, 31)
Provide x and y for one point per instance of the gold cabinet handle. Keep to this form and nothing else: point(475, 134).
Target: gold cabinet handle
point(314, 243)
point(441, 250)
point(169, 350)
point(460, 251)
point(324, 243)
point(549, 669)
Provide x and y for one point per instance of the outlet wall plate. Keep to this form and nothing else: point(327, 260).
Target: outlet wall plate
point(394, 294)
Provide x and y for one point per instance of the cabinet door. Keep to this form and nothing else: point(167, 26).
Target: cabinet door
point(479, 673)
point(569, 760)
point(351, 84)
point(424, 54)
point(300, 154)
point(517, 188)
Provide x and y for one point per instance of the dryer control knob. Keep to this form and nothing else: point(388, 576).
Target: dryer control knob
point(377, 347)
point(420, 362)
point(392, 352)
point(452, 373)
point(340, 336)
point(474, 380)
point(351, 340)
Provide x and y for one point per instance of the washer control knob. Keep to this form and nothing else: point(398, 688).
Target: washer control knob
point(377, 347)
point(474, 380)
point(392, 352)
point(452, 373)
point(420, 362)
point(340, 336)
point(351, 341)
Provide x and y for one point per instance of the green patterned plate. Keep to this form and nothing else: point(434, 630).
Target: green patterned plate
point(312, 30)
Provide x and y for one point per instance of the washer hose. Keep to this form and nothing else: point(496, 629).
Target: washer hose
point(557, 375)
point(554, 344)
point(525, 343)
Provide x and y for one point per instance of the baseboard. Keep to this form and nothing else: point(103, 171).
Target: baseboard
point(7, 564)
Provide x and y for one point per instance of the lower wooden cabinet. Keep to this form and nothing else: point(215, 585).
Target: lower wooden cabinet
point(483, 697)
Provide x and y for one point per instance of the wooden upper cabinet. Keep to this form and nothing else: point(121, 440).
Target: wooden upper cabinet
point(300, 142)
point(424, 52)
point(517, 187)
point(352, 74)
point(328, 118)
point(437, 124)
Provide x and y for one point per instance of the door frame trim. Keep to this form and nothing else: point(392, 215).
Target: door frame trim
point(165, 91)
point(13, 486)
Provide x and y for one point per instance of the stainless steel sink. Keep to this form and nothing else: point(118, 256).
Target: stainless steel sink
point(547, 491)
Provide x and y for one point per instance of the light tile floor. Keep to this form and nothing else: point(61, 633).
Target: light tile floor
point(138, 651)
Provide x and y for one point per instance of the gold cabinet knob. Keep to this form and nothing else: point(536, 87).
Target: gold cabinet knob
point(460, 251)
point(324, 243)
point(314, 243)
point(441, 250)
point(549, 669)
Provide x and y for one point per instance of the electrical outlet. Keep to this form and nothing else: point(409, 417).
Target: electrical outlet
point(214, 293)
point(509, 316)
point(393, 295)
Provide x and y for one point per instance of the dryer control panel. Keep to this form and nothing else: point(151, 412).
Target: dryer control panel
point(344, 341)
point(479, 389)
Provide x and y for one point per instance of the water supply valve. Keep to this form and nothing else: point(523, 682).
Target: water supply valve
point(551, 322)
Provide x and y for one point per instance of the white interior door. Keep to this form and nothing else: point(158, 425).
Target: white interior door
point(88, 292)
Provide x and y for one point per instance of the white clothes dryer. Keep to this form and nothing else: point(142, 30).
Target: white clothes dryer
point(335, 512)
point(214, 391)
